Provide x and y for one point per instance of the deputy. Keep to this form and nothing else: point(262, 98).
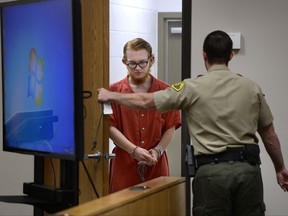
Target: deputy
point(224, 112)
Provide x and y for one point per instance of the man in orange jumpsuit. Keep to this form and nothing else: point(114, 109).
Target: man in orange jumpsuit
point(141, 137)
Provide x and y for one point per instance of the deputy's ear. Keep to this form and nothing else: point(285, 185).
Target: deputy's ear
point(204, 55)
point(124, 61)
point(231, 55)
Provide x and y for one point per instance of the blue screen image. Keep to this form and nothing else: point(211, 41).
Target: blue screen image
point(38, 77)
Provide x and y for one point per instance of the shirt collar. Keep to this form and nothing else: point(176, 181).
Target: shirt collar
point(218, 67)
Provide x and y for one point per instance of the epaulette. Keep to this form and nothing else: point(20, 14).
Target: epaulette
point(239, 75)
point(200, 75)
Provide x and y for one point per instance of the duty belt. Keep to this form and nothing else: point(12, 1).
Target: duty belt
point(221, 157)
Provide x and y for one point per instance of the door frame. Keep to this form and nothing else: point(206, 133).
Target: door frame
point(163, 19)
point(167, 63)
point(185, 73)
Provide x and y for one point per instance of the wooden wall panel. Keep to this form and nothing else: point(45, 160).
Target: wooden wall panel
point(95, 37)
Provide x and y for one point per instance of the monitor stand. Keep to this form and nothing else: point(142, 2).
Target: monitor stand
point(48, 206)
point(49, 199)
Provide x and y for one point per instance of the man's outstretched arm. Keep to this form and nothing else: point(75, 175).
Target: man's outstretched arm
point(272, 145)
point(142, 101)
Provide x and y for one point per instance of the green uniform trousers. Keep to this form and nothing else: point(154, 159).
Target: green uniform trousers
point(228, 189)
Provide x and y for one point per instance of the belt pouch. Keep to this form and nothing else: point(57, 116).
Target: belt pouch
point(252, 154)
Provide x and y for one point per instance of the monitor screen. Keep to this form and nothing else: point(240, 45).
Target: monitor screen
point(42, 78)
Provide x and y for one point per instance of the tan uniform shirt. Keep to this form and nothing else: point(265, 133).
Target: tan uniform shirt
point(223, 109)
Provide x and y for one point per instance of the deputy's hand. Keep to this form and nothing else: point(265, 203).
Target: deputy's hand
point(282, 178)
point(103, 95)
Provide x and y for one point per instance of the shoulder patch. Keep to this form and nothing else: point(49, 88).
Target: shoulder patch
point(178, 86)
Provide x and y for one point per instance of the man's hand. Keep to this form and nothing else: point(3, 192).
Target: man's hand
point(144, 157)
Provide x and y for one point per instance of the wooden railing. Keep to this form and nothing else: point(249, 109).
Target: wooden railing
point(160, 196)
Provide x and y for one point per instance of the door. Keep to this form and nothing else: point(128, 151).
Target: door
point(169, 70)
point(95, 37)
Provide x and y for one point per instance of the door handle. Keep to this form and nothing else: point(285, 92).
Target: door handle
point(108, 156)
point(95, 155)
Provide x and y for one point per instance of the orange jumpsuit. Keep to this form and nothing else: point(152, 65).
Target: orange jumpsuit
point(143, 128)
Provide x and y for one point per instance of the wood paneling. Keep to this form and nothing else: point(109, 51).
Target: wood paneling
point(95, 37)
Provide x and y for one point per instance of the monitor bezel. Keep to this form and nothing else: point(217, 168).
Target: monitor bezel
point(78, 86)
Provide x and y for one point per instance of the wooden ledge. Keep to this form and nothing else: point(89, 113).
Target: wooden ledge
point(123, 197)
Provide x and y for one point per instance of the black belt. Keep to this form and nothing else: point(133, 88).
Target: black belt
point(231, 155)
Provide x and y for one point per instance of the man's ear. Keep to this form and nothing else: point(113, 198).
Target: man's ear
point(124, 61)
point(152, 59)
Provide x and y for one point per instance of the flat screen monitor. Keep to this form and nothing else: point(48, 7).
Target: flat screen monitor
point(42, 78)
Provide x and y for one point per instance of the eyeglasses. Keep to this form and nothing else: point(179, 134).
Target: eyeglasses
point(133, 65)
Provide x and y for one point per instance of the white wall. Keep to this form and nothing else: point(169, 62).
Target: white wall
point(262, 57)
point(169, 5)
point(130, 19)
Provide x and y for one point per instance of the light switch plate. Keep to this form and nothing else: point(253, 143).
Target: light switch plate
point(236, 38)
